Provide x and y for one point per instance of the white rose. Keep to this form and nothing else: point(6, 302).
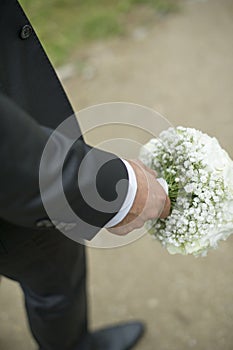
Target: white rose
point(216, 158)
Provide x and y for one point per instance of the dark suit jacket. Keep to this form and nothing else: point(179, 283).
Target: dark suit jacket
point(32, 104)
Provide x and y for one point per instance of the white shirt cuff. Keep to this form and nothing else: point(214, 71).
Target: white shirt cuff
point(132, 189)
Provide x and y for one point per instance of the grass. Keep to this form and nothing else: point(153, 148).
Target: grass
point(63, 25)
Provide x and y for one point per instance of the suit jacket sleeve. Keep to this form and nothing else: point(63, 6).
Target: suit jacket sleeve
point(84, 171)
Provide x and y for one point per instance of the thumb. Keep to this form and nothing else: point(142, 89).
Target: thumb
point(166, 209)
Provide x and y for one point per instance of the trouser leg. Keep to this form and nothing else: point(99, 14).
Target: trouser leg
point(51, 270)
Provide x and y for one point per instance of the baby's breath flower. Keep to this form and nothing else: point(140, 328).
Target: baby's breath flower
point(199, 174)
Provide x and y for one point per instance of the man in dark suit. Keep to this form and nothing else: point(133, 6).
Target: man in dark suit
point(49, 266)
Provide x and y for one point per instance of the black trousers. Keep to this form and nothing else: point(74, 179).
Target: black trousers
point(51, 270)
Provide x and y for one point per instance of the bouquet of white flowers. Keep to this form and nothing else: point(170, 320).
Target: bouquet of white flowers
point(199, 174)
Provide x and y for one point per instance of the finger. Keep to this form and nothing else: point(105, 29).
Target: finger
point(127, 228)
point(166, 209)
point(118, 231)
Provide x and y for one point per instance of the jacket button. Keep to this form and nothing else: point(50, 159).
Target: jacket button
point(26, 32)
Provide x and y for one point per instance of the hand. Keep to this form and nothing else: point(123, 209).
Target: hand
point(150, 202)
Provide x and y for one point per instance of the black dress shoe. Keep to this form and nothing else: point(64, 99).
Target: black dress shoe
point(120, 337)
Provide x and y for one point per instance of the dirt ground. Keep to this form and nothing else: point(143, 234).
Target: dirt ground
point(181, 66)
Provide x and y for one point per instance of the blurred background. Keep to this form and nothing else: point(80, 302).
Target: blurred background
point(176, 57)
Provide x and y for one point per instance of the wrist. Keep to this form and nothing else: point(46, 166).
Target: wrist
point(142, 189)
